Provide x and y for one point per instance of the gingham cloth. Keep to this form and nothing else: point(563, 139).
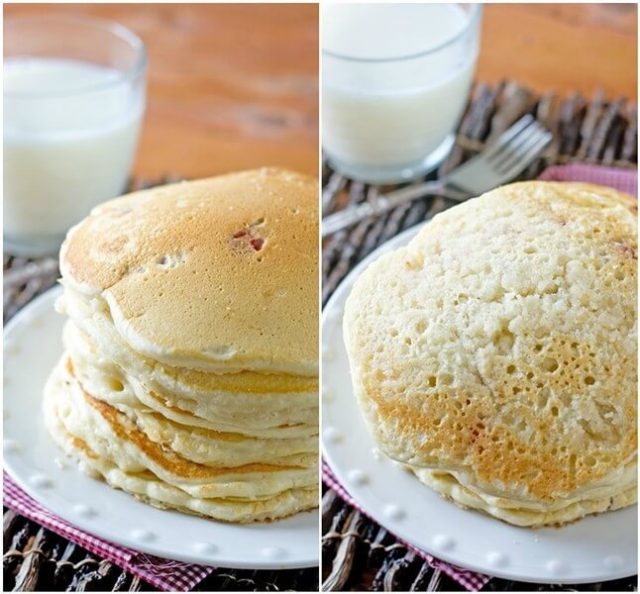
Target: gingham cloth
point(625, 180)
point(169, 576)
point(620, 179)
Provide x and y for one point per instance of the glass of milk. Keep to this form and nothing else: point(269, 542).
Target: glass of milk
point(395, 81)
point(74, 95)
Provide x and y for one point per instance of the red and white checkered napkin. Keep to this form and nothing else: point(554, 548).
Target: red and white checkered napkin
point(621, 179)
point(625, 180)
point(166, 575)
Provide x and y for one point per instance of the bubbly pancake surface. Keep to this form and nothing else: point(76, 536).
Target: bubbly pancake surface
point(496, 353)
point(189, 377)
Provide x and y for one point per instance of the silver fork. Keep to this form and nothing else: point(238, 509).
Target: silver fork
point(501, 161)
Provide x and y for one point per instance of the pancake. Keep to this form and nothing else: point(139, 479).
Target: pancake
point(87, 438)
point(218, 274)
point(199, 403)
point(112, 433)
point(190, 372)
point(531, 514)
point(496, 354)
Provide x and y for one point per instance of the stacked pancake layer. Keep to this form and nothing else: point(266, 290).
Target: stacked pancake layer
point(496, 354)
point(225, 432)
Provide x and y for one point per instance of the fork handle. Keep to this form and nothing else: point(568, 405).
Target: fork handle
point(380, 204)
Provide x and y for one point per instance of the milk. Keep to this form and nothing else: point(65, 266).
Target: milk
point(395, 82)
point(70, 134)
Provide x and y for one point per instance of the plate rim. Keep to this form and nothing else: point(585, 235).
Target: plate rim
point(395, 242)
point(90, 527)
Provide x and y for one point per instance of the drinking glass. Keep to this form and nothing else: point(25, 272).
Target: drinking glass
point(74, 96)
point(389, 116)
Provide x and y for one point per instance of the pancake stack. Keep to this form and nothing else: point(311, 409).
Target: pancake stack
point(496, 355)
point(190, 372)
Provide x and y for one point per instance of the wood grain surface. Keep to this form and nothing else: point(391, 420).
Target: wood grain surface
point(236, 86)
point(562, 47)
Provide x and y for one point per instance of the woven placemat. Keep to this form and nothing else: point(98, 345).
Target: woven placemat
point(358, 554)
point(36, 559)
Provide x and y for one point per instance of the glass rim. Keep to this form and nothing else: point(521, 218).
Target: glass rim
point(112, 27)
point(475, 11)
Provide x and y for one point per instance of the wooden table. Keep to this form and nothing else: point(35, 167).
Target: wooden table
point(236, 86)
point(564, 47)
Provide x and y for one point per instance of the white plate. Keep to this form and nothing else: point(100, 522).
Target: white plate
point(32, 342)
point(595, 549)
